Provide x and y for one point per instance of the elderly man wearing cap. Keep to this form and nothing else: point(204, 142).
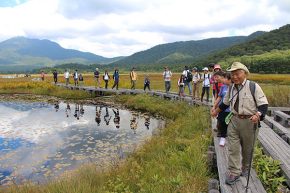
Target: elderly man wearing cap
point(97, 76)
point(248, 105)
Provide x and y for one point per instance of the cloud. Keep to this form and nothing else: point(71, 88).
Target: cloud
point(123, 27)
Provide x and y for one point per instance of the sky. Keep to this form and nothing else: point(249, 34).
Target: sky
point(112, 28)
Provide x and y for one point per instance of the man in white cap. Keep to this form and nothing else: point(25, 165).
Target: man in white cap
point(205, 84)
point(97, 76)
point(248, 105)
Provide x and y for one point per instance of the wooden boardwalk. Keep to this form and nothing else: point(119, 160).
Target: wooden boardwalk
point(255, 185)
point(271, 142)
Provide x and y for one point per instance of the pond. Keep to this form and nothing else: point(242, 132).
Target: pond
point(40, 141)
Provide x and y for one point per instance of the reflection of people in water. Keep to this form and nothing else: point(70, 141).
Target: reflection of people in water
point(147, 121)
point(134, 123)
point(67, 109)
point(82, 110)
point(77, 112)
point(107, 117)
point(56, 106)
point(117, 118)
point(98, 115)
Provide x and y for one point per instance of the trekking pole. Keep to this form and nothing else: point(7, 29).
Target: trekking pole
point(251, 157)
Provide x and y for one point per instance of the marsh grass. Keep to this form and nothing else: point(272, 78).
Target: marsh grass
point(173, 161)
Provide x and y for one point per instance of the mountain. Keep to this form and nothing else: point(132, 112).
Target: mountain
point(22, 53)
point(182, 52)
point(268, 52)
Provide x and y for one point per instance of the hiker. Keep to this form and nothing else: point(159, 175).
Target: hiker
point(167, 79)
point(97, 76)
point(66, 76)
point(146, 82)
point(215, 84)
point(225, 78)
point(116, 77)
point(133, 78)
point(248, 105)
point(76, 77)
point(181, 85)
point(106, 78)
point(42, 74)
point(205, 84)
point(195, 83)
point(187, 78)
point(54, 76)
point(81, 79)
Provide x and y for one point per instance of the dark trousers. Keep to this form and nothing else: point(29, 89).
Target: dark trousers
point(146, 86)
point(205, 90)
point(106, 84)
point(55, 79)
point(167, 86)
point(221, 124)
point(116, 84)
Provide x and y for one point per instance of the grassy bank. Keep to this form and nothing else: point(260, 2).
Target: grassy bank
point(173, 161)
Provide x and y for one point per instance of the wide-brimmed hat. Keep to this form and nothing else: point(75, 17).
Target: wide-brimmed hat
point(238, 66)
point(205, 68)
point(97, 68)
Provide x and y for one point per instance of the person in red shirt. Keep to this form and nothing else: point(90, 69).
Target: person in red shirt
point(216, 86)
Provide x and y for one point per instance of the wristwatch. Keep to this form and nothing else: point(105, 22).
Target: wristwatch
point(259, 113)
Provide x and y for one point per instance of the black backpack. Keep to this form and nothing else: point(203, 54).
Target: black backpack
point(189, 76)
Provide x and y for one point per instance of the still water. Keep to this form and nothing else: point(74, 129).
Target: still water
point(39, 141)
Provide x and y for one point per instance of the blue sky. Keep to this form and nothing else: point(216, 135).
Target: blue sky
point(122, 27)
point(11, 3)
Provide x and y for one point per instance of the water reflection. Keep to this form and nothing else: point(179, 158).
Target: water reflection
point(40, 141)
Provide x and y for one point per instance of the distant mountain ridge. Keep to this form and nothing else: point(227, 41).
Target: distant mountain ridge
point(183, 52)
point(25, 53)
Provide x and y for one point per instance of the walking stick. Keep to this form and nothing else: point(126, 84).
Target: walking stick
point(251, 157)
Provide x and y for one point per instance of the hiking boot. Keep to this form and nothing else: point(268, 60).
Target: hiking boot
point(231, 179)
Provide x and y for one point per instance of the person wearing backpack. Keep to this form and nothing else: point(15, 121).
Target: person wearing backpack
point(195, 82)
point(116, 77)
point(187, 79)
point(146, 82)
point(248, 105)
point(167, 79)
point(76, 77)
point(205, 84)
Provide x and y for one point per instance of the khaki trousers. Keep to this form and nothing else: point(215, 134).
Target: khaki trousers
point(240, 143)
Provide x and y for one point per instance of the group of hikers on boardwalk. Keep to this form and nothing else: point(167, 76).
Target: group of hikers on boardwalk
point(238, 103)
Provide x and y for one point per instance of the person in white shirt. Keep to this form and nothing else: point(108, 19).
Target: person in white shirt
point(187, 80)
point(167, 79)
point(76, 77)
point(106, 78)
point(66, 76)
point(195, 82)
point(205, 84)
